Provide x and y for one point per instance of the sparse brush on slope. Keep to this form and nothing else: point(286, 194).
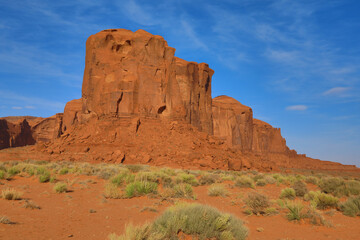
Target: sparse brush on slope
point(321, 200)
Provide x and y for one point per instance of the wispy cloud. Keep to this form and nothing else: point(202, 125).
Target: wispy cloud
point(297, 108)
point(36, 61)
point(16, 108)
point(189, 31)
point(337, 91)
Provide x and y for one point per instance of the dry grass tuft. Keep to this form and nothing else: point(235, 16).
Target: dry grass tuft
point(11, 194)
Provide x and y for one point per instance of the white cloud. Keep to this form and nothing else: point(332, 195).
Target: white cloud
point(17, 108)
point(297, 108)
point(29, 107)
point(337, 91)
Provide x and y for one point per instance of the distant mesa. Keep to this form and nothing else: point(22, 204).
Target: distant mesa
point(141, 104)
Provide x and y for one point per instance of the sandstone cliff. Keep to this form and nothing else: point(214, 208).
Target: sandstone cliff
point(141, 104)
point(15, 134)
point(136, 74)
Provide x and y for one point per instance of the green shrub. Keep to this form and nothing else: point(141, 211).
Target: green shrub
point(41, 170)
point(30, 170)
point(209, 178)
point(135, 233)
point(258, 203)
point(300, 188)
point(269, 179)
point(200, 221)
point(45, 177)
point(335, 186)
point(112, 191)
point(60, 187)
point(217, 190)
point(64, 171)
point(295, 211)
point(187, 178)
point(166, 181)
point(353, 187)
point(322, 200)
point(270, 211)
point(2, 174)
point(13, 171)
point(11, 194)
point(121, 178)
point(147, 176)
point(279, 178)
point(139, 188)
point(314, 216)
point(244, 182)
point(288, 193)
point(351, 207)
point(195, 220)
point(312, 180)
point(135, 168)
point(261, 182)
point(183, 190)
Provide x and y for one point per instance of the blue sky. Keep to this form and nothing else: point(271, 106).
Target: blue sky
point(296, 63)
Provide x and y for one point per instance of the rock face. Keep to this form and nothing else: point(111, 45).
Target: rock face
point(141, 104)
point(41, 129)
point(195, 89)
point(136, 74)
point(72, 112)
point(234, 122)
point(15, 134)
point(267, 139)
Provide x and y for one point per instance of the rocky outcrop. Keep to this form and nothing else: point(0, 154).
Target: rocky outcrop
point(15, 134)
point(136, 74)
point(141, 104)
point(233, 122)
point(267, 139)
point(195, 89)
point(72, 112)
point(41, 129)
point(130, 73)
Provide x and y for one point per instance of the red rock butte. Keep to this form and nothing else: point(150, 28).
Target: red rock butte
point(141, 104)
